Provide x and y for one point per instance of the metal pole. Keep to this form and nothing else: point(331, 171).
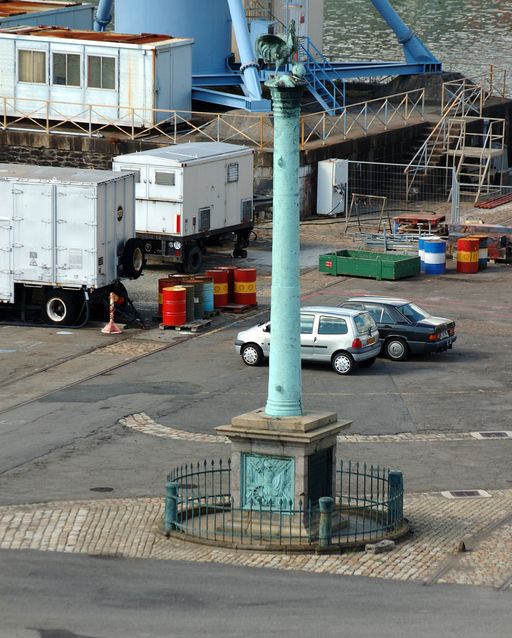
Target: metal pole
point(326, 504)
point(249, 66)
point(171, 507)
point(395, 497)
point(285, 382)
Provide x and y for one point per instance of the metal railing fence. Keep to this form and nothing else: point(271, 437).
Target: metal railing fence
point(368, 506)
point(133, 123)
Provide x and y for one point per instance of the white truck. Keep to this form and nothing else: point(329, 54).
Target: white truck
point(66, 236)
point(188, 194)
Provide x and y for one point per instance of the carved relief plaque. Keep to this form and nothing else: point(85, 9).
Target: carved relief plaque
point(267, 481)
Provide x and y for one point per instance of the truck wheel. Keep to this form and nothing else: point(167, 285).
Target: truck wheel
point(193, 260)
point(60, 307)
point(133, 260)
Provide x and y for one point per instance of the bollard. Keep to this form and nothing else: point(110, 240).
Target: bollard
point(111, 328)
point(395, 497)
point(171, 507)
point(326, 504)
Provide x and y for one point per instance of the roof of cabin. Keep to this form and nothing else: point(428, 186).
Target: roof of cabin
point(108, 37)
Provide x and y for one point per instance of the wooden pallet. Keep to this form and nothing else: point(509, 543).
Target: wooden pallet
point(191, 326)
point(237, 307)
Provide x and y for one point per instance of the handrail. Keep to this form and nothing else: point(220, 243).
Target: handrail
point(96, 120)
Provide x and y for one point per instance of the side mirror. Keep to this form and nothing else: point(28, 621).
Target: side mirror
point(266, 328)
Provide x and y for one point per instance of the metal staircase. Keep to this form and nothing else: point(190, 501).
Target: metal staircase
point(324, 84)
point(469, 143)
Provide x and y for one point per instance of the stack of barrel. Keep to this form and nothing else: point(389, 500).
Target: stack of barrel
point(182, 299)
point(186, 298)
point(233, 287)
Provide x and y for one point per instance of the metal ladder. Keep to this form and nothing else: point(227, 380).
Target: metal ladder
point(320, 76)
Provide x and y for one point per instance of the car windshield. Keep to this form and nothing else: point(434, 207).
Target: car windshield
point(413, 312)
point(364, 323)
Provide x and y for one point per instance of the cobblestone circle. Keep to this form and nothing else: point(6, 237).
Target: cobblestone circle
point(131, 528)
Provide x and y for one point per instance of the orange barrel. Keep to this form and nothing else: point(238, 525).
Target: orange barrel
point(220, 286)
point(165, 282)
point(467, 254)
point(231, 281)
point(207, 292)
point(245, 286)
point(483, 250)
point(174, 306)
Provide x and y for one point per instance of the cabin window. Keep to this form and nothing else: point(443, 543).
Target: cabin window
point(165, 179)
point(32, 66)
point(233, 171)
point(101, 72)
point(66, 69)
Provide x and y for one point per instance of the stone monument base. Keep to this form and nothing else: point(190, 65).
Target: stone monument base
point(286, 462)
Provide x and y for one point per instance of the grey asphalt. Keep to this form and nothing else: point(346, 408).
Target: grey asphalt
point(69, 596)
point(69, 442)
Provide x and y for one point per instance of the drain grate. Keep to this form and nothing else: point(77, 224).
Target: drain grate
point(466, 494)
point(492, 434)
point(101, 489)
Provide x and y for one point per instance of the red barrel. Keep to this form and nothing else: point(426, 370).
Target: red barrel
point(231, 281)
point(166, 282)
point(174, 306)
point(220, 286)
point(245, 286)
point(467, 254)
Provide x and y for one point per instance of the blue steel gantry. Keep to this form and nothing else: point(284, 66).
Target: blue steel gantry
point(325, 79)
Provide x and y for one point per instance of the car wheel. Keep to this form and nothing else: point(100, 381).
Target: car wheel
point(60, 307)
point(343, 363)
point(396, 349)
point(367, 362)
point(252, 354)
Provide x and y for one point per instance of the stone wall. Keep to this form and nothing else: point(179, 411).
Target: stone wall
point(393, 146)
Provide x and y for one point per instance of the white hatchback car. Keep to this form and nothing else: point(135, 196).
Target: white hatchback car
point(342, 337)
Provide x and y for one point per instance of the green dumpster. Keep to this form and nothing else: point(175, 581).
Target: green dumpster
point(366, 263)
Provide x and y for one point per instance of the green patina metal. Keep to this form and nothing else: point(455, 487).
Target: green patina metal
point(285, 381)
point(267, 482)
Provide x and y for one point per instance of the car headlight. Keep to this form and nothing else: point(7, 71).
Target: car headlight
point(177, 245)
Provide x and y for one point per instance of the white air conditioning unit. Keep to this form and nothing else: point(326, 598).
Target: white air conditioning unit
point(332, 187)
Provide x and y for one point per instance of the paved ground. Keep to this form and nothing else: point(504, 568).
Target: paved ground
point(430, 411)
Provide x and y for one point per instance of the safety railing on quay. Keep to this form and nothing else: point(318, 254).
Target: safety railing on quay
point(98, 120)
point(367, 507)
point(362, 117)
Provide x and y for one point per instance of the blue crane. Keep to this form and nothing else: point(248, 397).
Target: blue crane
point(325, 78)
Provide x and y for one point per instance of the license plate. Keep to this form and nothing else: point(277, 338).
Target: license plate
point(444, 334)
point(371, 341)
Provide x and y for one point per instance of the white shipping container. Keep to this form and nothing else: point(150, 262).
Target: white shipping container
point(190, 192)
point(63, 227)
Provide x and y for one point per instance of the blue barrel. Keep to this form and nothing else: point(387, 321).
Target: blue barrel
point(421, 252)
point(434, 256)
point(208, 299)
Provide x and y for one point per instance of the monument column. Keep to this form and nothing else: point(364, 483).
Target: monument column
point(285, 381)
